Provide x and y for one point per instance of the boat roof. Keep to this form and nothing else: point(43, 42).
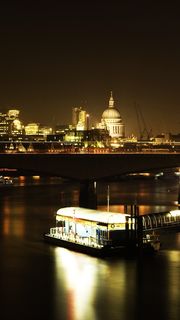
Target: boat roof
point(93, 215)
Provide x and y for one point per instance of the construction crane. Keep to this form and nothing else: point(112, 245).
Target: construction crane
point(144, 133)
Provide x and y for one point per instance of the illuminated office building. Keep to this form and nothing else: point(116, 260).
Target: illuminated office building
point(10, 123)
point(75, 116)
point(82, 123)
point(32, 129)
point(45, 130)
point(80, 119)
point(13, 114)
point(4, 124)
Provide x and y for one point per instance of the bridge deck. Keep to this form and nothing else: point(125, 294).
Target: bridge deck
point(87, 166)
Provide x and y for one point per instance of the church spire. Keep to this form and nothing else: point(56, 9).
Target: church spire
point(111, 101)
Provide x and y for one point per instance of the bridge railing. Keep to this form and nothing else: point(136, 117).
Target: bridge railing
point(161, 220)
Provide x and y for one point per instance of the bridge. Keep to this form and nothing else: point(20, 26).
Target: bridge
point(147, 225)
point(87, 166)
point(161, 220)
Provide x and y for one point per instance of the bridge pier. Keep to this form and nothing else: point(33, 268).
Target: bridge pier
point(88, 195)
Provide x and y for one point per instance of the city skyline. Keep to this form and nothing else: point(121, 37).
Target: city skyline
point(57, 57)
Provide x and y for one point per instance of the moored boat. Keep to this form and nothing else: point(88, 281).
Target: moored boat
point(98, 233)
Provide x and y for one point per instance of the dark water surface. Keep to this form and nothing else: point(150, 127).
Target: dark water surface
point(40, 281)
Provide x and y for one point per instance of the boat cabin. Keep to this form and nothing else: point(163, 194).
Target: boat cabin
point(93, 227)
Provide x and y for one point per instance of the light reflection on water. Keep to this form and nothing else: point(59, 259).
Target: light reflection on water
point(173, 283)
point(15, 226)
point(79, 278)
point(92, 284)
point(143, 209)
point(117, 289)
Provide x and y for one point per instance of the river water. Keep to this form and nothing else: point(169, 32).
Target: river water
point(40, 281)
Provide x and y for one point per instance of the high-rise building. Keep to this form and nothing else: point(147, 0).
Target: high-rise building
point(81, 125)
point(75, 116)
point(10, 123)
point(80, 119)
point(4, 124)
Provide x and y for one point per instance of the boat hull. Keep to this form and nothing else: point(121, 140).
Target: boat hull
point(105, 251)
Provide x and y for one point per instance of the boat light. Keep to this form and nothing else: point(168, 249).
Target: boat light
point(92, 215)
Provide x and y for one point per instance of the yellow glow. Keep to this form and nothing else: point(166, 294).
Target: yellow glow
point(32, 128)
point(13, 113)
point(174, 255)
point(6, 226)
point(92, 215)
point(175, 213)
point(15, 227)
point(173, 282)
point(36, 177)
point(17, 124)
point(22, 178)
point(80, 278)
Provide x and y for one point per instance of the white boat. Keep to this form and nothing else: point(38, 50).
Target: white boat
point(96, 232)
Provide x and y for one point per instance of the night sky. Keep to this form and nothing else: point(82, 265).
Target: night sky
point(58, 55)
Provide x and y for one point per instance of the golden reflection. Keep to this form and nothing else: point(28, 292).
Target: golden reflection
point(36, 177)
point(88, 281)
point(118, 208)
point(6, 208)
point(75, 197)
point(174, 255)
point(174, 282)
point(143, 209)
point(22, 180)
point(112, 208)
point(6, 226)
point(80, 279)
point(15, 226)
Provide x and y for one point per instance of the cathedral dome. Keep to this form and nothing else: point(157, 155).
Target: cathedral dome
point(111, 113)
point(112, 121)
